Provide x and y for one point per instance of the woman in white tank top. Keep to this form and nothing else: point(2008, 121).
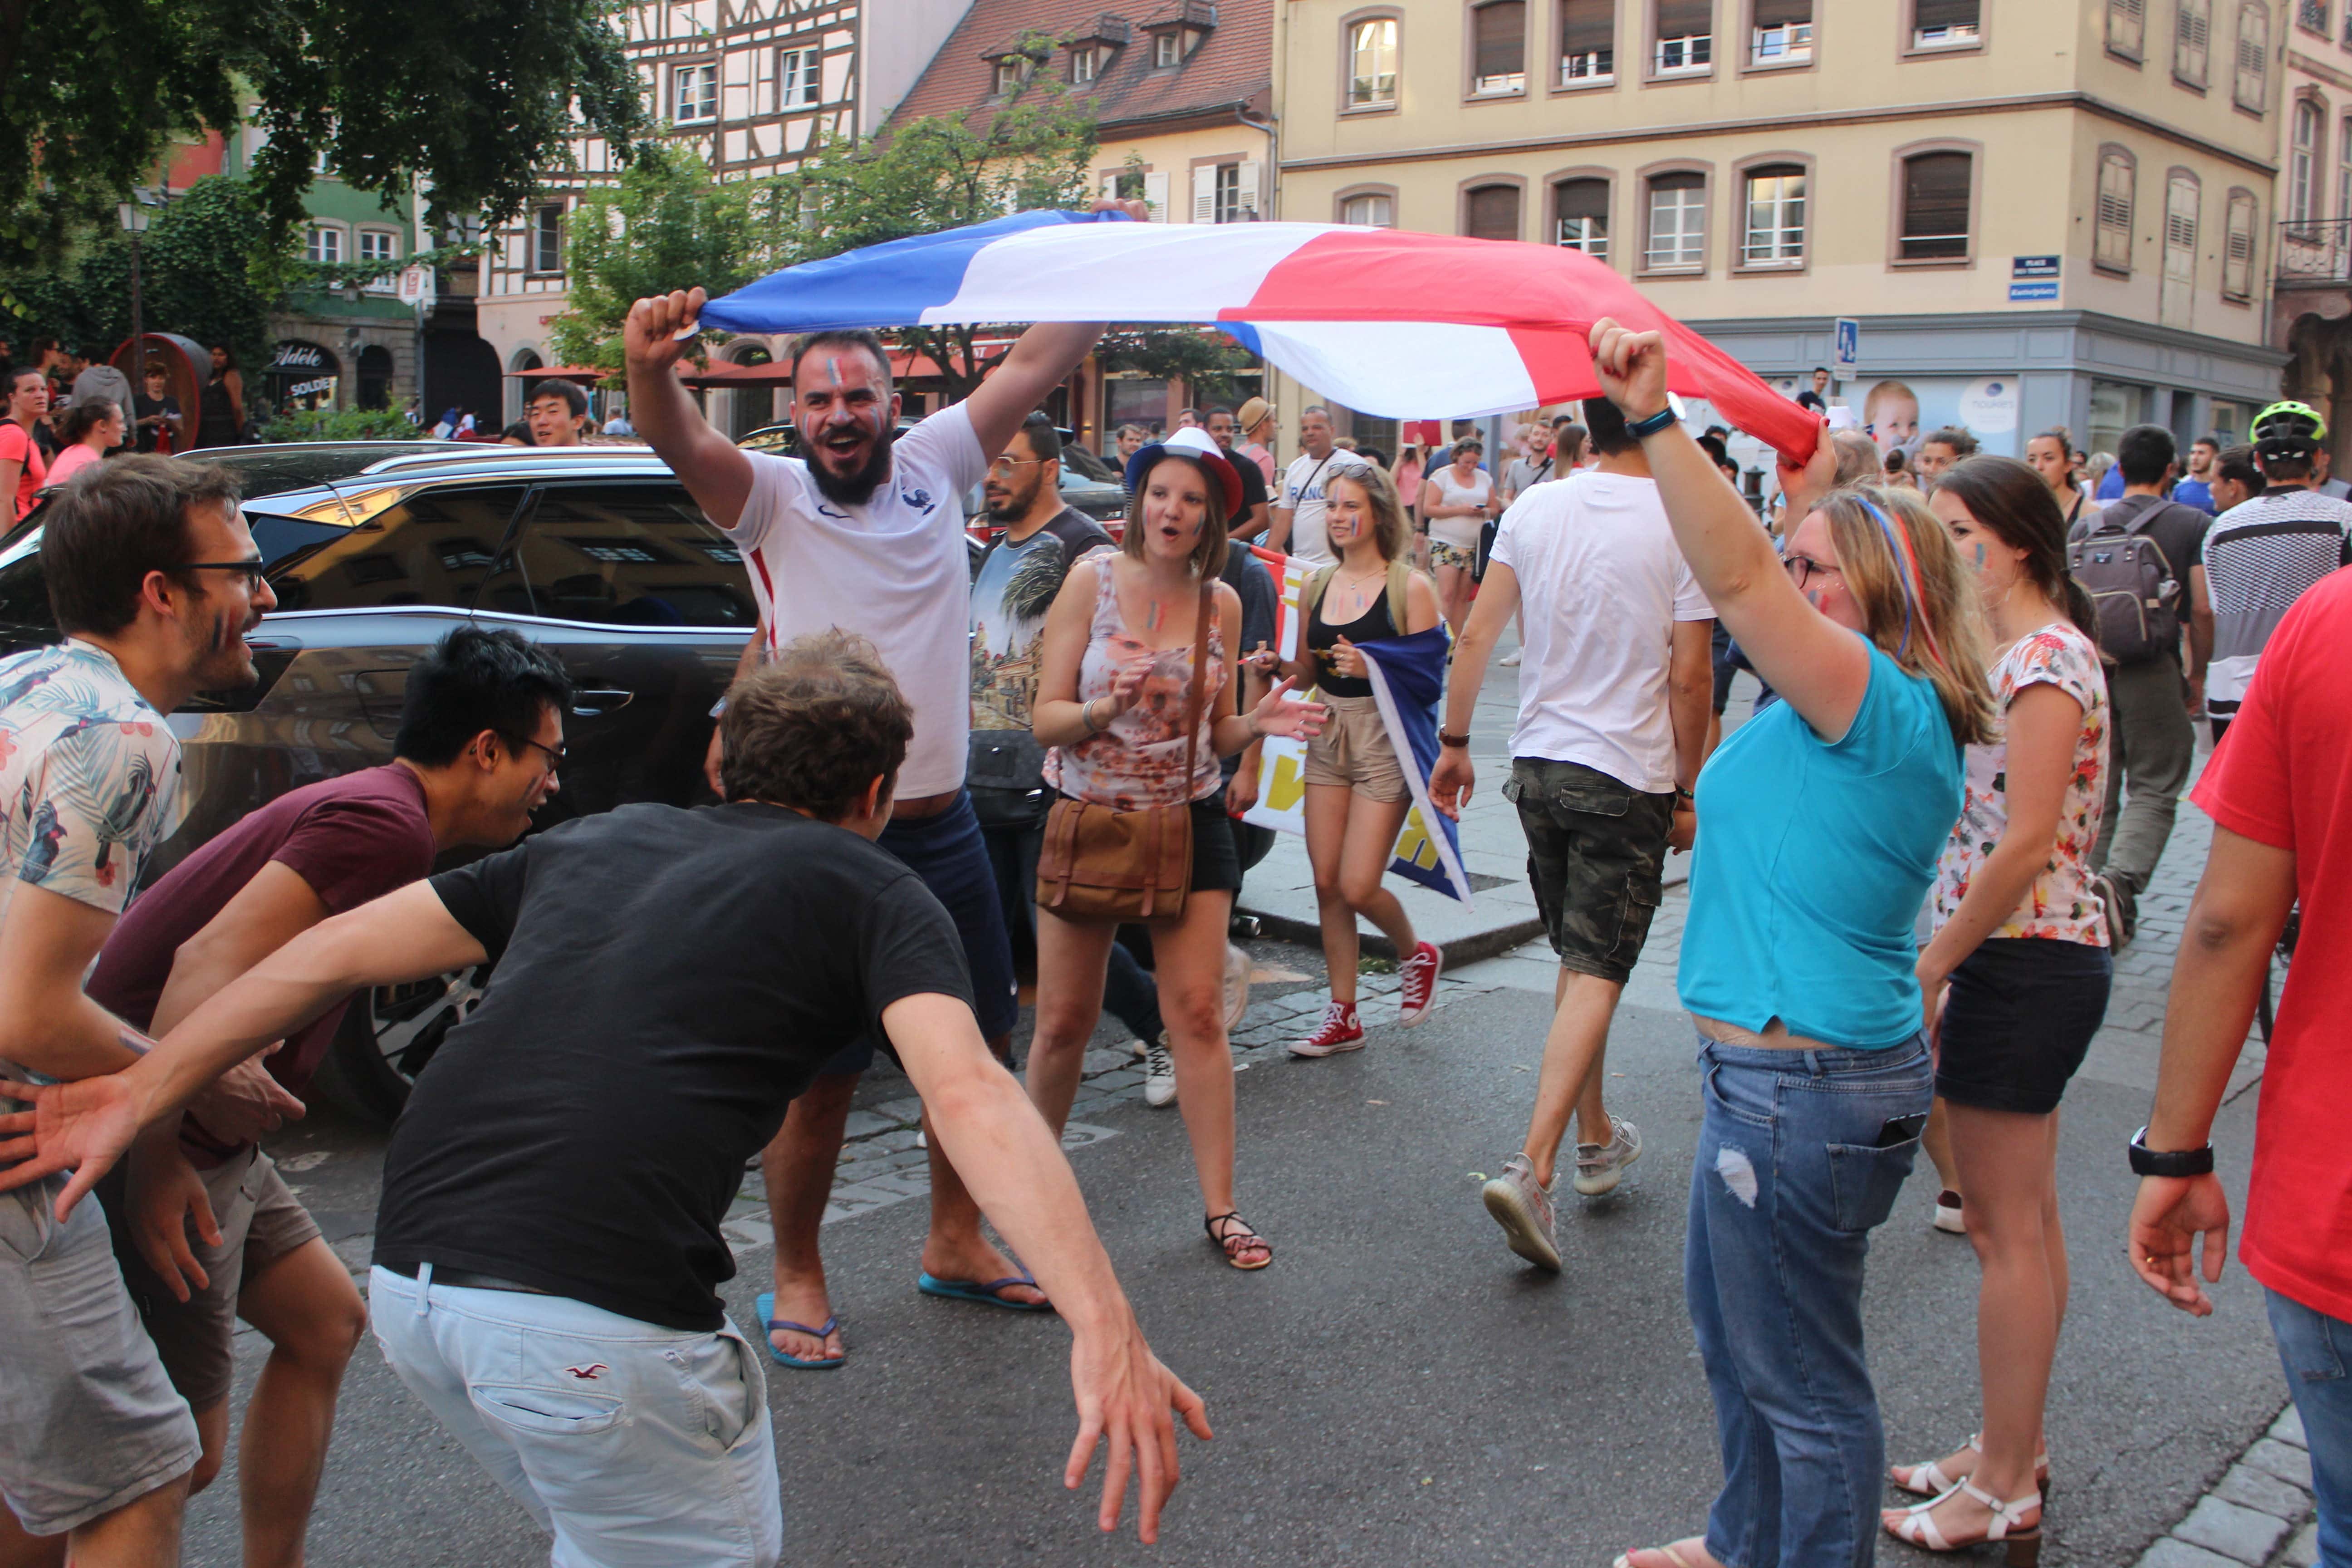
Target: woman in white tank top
point(1455, 500)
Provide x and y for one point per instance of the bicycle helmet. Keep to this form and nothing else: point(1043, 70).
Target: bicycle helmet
point(2288, 429)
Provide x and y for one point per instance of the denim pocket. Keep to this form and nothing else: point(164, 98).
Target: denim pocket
point(28, 1221)
point(1864, 1181)
point(724, 1383)
point(556, 1413)
point(2308, 1341)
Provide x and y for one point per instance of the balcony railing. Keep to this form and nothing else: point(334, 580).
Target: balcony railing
point(2316, 251)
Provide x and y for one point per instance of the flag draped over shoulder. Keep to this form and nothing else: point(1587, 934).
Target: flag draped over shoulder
point(1408, 673)
point(1387, 322)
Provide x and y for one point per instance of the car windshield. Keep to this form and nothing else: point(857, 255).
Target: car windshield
point(1075, 457)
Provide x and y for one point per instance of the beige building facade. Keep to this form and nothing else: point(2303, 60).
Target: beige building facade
point(2042, 212)
point(2311, 314)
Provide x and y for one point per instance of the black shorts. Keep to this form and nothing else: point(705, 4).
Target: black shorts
point(1724, 669)
point(1596, 858)
point(2020, 1016)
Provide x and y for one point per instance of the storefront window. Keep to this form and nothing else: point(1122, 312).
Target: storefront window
point(301, 375)
point(2116, 408)
point(1135, 400)
point(2230, 423)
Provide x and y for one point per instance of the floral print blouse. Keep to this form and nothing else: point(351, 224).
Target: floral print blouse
point(2061, 905)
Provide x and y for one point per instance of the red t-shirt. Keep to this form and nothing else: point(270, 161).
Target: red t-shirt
point(17, 447)
point(352, 839)
point(2282, 777)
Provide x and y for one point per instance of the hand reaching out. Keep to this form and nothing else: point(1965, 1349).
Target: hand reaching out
point(1279, 714)
point(83, 1127)
point(165, 1195)
point(1128, 1401)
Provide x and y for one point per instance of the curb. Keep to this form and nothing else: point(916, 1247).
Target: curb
point(1469, 949)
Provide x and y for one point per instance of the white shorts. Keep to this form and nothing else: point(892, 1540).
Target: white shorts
point(634, 1445)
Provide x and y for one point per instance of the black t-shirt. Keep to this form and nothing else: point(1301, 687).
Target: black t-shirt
point(668, 981)
point(1252, 488)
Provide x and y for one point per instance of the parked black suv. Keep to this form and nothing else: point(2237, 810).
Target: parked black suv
point(377, 549)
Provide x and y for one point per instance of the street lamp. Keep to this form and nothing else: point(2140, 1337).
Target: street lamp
point(134, 216)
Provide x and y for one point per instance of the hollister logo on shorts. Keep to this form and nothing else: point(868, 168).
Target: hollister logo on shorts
point(593, 1370)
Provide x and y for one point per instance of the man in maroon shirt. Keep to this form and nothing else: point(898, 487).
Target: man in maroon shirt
point(206, 1231)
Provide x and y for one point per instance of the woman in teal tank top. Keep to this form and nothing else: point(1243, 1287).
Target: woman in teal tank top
point(1818, 826)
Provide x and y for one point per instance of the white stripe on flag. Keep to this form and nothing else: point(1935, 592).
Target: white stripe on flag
point(1121, 272)
point(1400, 369)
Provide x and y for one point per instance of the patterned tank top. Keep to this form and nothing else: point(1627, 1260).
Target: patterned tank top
point(1139, 761)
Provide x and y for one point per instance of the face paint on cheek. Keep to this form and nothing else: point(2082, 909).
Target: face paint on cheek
point(1980, 556)
point(1813, 597)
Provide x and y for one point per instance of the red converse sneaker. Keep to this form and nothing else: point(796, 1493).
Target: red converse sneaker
point(1340, 1031)
point(1419, 990)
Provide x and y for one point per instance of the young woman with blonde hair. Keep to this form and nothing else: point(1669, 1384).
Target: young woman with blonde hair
point(1820, 821)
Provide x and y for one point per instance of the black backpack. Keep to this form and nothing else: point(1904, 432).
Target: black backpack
point(2132, 586)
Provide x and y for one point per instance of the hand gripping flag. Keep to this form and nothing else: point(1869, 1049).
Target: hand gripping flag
point(1386, 321)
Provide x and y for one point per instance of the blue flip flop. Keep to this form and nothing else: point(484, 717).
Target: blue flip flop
point(990, 1294)
point(765, 1305)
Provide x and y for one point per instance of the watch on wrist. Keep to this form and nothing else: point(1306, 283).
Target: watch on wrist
point(1445, 740)
point(1642, 430)
point(2148, 1161)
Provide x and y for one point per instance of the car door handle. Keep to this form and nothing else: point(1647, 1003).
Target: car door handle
point(610, 700)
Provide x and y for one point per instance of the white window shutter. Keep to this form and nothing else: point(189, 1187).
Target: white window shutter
point(1204, 194)
point(1247, 194)
point(1155, 194)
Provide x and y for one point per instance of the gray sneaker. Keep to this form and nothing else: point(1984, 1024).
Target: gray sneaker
point(1599, 1167)
point(1523, 1208)
point(1159, 1073)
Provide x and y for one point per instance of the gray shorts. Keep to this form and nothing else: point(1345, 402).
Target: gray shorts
point(88, 1423)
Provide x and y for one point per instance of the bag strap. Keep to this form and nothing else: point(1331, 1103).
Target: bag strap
point(1315, 588)
point(1400, 574)
point(1196, 694)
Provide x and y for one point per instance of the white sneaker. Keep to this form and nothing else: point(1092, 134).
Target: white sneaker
point(1599, 1167)
point(1158, 1072)
point(1237, 985)
point(1509, 660)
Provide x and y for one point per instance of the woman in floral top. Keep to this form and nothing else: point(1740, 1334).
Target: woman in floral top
point(2019, 968)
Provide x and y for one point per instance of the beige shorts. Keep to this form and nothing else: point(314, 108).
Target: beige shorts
point(1353, 750)
point(260, 1221)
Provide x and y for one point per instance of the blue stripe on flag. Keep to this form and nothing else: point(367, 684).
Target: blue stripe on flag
point(1245, 334)
point(887, 285)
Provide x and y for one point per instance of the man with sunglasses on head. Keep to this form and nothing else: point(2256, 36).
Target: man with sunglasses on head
point(154, 581)
point(205, 1228)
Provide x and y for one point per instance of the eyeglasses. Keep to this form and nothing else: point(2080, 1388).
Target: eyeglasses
point(555, 754)
point(252, 570)
point(1803, 567)
point(1007, 465)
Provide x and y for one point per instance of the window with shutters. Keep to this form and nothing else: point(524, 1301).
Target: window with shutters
point(2192, 34)
point(1372, 63)
point(1588, 42)
point(1491, 211)
point(1779, 32)
point(1225, 193)
point(2310, 16)
point(2111, 244)
point(2238, 250)
point(2177, 297)
point(1372, 209)
point(1677, 234)
point(1581, 217)
point(2343, 171)
point(1011, 72)
point(694, 93)
point(2127, 27)
point(2303, 166)
point(1946, 24)
point(1498, 48)
point(1936, 192)
point(1683, 41)
point(1772, 205)
point(2254, 58)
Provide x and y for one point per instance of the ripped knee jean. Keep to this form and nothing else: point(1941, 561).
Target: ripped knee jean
point(1801, 1154)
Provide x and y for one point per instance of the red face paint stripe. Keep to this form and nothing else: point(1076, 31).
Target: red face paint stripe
point(767, 592)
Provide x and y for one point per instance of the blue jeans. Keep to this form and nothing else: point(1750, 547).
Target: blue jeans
point(1797, 1162)
point(2317, 1352)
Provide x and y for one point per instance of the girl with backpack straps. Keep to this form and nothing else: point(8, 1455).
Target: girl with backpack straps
point(1356, 796)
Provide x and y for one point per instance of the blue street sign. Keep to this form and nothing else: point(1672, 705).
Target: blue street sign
point(2034, 266)
point(1845, 357)
point(2045, 291)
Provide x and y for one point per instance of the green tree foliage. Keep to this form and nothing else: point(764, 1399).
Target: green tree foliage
point(473, 95)
point(665, 224)
point(195, 276)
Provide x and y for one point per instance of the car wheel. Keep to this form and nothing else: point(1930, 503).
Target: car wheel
point(388, 1035)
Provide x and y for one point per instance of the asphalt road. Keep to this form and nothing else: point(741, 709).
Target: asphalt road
point(1396, 1389)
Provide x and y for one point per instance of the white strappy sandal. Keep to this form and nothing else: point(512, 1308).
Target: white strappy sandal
point(1916, 1525)
point(1929, 1480)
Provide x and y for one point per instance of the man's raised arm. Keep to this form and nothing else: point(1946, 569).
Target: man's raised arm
point(717, 472)
point(403, 936)
point(992, 1132)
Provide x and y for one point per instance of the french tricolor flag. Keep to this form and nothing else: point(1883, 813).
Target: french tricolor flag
point(1386, 321)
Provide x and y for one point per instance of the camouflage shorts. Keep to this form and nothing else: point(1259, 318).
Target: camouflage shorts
point(1596, 858)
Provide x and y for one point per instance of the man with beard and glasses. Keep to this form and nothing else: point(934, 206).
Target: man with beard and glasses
point(154, 581)
point(866, 531)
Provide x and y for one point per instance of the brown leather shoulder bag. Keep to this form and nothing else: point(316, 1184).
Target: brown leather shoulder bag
point(1100, 863)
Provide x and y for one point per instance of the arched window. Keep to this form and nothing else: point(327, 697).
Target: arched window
point(2303, 164)
point(2253, 55)
point(2110, 247)
point(1373, 209)
point(1491, 211)
point(1372, 63)
point(1936, 191)
point(1581, 217)
point(1773, 228)
point(1499, 46)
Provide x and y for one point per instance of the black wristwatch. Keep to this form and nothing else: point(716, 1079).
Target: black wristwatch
point(2148, 1161)
point(1642, 430)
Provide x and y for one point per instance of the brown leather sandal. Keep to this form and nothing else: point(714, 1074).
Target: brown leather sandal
point(1237, 1241)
